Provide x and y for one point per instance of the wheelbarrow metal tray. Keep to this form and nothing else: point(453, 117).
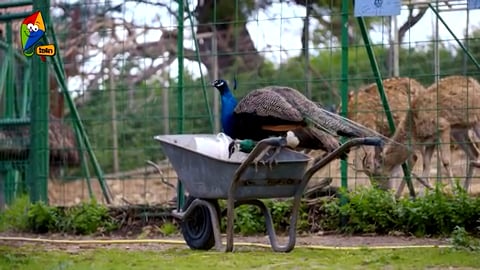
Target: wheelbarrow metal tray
point(208, 177)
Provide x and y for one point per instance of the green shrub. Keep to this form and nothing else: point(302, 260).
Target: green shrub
point(324, 215)
point(438, 213)
point(466, 211)
point(42, 218)
point(374, 211)
point(248, 220)
point(168, 228)
point(461, 239)
point(14, 217)
point(364, 210)
point(87, 218)
point(369, 211)
point(281, 212)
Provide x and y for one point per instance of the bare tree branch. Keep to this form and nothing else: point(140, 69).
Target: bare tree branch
point(163, 5)
point(145, 74)
point(411, 21)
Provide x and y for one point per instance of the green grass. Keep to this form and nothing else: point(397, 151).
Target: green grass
point(28, 257)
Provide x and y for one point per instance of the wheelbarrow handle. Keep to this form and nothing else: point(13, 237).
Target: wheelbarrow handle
point(372, 141)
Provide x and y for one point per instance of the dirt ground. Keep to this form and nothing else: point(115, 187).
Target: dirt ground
point(136, 188)
point(301, 241)
point(142, 188)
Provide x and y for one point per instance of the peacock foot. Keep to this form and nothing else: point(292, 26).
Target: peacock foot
point(271, 160)
point(265, 158)
point(259, 158)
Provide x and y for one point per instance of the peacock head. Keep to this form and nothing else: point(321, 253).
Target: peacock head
point(221, 86)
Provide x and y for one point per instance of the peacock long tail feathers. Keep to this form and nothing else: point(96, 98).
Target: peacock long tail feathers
point(313, 138)
point(323, 119)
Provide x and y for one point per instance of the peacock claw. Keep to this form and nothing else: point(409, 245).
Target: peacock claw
point(271, 159)
point(266, 163)
point(267, 159)
point(255, 163)
point(259, 158)
point(271, 162)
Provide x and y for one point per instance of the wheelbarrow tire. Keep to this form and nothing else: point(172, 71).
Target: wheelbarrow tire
point(197, 228)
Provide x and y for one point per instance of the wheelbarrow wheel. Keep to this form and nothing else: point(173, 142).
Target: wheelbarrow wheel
point(197, 227)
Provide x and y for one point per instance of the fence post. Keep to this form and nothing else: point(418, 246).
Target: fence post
point(39, 157)
point(344, 83)
point(181, 113)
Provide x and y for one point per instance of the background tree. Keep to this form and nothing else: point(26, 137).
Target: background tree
point(140, 68)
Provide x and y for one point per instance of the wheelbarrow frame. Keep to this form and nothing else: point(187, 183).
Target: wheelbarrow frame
point(236, 198)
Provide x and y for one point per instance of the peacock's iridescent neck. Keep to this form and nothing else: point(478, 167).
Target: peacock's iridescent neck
point(228, 106)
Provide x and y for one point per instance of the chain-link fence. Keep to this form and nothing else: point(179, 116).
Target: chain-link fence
point(121, 65)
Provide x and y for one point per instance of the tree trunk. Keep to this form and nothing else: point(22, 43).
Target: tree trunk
point(402, 31)
point(235, 46)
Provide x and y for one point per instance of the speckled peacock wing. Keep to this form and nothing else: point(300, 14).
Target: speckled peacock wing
point(269, 104)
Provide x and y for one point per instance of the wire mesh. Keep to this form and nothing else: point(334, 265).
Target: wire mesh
point(121, 62)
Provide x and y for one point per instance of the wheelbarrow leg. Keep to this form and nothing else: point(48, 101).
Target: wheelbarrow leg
point(270, 228)
point(215, 225)
point(256, 152)
point(216, 231)
point(230, 221)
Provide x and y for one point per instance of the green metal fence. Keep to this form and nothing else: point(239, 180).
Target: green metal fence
point(34, 143)
point(130, 70)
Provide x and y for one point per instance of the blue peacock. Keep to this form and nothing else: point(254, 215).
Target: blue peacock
point(282, 111)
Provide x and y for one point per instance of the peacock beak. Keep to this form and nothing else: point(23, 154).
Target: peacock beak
point(231, 149)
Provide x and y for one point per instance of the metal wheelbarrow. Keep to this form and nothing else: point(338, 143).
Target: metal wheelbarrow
point(208, 179)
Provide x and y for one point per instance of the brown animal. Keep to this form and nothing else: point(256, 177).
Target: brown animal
point(449, 108)
point(365, 107)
